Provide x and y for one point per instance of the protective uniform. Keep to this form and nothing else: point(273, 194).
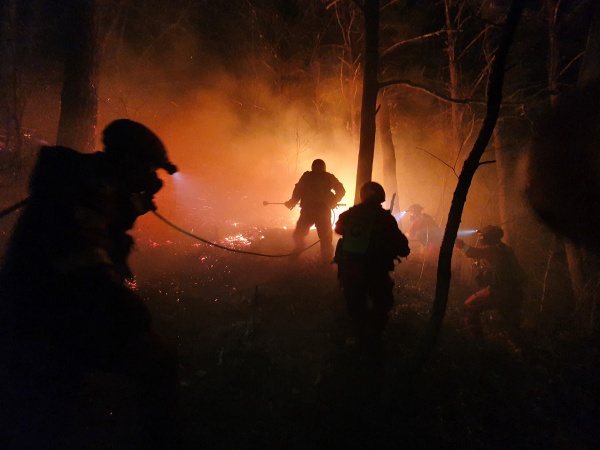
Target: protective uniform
point(501, 279)
point(424, 230)
point(370, 243)
point(66, 306)
point(318, 192)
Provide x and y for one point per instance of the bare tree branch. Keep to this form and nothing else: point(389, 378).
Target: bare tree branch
point(437, 95)
point(410, 41)
point(473, 41)
point(359, 4)
point(391, 3)
point(440, 160)
point(442, 97)
point(463, 143)
point(575, 59)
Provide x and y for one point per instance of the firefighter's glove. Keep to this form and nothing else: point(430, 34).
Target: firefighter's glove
point(290, 204)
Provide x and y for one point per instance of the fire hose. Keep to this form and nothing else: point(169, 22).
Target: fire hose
point(13, 208)
point(19, 204)
point(235, 250)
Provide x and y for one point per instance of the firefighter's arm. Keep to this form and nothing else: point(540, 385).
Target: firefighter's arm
point(297, 193)
point(401, 244)
point(339, 190)
point(398, 240)
point(471, 252)
point(294, 200)
point(464, 248)
point(340, 225)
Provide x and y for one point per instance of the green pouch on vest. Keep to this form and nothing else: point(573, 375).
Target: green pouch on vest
point(358, 234)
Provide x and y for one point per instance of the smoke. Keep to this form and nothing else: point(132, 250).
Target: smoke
point(237, 143)
point(242, 139)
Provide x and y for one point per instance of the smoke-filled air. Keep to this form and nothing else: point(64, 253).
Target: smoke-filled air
point(450, 298)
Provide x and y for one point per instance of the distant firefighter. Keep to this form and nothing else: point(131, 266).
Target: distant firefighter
point(318, 192)
point(371, 242)
point(501, 279)
point(66, 308)
point(424, 230)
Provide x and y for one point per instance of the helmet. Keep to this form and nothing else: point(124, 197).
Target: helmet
point(124, 137)
point(415, 207)
point(491, 234)
point(372, 192)
point(318, 165)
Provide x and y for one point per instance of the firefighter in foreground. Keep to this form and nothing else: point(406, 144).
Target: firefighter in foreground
point(66, 308)
point(318, 192)
point(501, 279)
point(371, 242)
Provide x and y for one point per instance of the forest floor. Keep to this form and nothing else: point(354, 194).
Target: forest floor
point(265, 364)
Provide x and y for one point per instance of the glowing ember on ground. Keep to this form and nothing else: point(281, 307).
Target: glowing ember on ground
point(238, 239)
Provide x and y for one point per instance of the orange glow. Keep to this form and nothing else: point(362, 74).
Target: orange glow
point(237, 145)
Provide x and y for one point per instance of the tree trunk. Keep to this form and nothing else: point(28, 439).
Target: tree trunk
point(504, 170)
point(582, 266)
point(390, 181)
point(502, 175)
point(12, 101)
point(452, 13)
point(585, 265)
point(590, 69)
point(79, 100)
point(366, 149)
point(453, 72)
point(494, 99)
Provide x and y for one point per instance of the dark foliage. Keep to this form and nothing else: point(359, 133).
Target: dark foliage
point(264, 364)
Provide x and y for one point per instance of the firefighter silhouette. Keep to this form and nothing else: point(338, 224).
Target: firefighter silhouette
point(318, 192)
point(66, 306)
point(371, 242)
point(501, 280)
